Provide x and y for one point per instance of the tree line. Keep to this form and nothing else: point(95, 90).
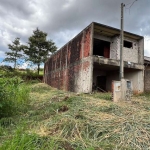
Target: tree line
point(37, 49)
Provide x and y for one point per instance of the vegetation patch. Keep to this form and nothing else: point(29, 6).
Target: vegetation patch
point(26, 141)
point(63, 108)
point(14, 96)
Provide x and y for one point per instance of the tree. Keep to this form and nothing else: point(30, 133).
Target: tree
point(15, 54)
point(39, 48)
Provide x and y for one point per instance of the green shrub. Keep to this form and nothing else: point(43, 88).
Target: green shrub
point(14, 96)
point(6, 68)
point(27, 75)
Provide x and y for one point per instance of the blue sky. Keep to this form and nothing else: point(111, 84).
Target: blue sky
point(1, 59)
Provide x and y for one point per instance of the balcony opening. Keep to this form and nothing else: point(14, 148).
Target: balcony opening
point(101, 48)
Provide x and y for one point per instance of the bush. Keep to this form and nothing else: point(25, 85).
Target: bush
point(29, 75)
point(6, 68)
point(14, 96)
point(26, 75)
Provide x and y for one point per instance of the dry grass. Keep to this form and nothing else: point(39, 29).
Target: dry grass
point(83, 121)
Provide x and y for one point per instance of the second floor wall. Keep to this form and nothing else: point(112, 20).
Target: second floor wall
point(109, 47)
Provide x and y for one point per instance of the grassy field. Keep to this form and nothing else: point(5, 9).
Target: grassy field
point(58, 120)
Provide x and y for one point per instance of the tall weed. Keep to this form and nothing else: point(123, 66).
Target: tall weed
point(25, 141)
point(14, 96)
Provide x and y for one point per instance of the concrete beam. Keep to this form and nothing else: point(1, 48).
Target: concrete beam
point(112, 62)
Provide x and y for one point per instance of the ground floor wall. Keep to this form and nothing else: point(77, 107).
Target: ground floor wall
point(147, 79)
point(76, 77)
point(135, 76)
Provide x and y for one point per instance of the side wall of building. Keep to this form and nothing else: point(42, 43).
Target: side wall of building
point(147, 78)
point(71, 67)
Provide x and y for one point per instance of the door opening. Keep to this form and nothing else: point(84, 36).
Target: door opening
point(101, 83)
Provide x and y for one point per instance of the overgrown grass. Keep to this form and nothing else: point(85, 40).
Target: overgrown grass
point(26, 141)
point(101, 95)
point(14, 96)
point(66, 121)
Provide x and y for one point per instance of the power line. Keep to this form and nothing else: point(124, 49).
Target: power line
point(131, 4)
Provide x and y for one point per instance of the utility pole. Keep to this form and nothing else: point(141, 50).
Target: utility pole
point(121, 43)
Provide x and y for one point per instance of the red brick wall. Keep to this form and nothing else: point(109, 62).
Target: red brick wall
point(63, 70)
point(87, 43)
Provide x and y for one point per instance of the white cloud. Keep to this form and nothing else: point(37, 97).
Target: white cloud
point(23, 66)
point(63, 19)
point(147, 45)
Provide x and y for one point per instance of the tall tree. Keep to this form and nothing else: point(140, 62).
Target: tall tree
point(39, 48)
point(15, 54)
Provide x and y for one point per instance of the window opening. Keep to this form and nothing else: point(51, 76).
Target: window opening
point(127, 44)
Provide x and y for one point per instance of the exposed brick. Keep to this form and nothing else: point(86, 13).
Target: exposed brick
point(64, 69)
point(87, 42)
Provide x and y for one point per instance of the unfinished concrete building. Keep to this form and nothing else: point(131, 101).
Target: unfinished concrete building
point(92, 57)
